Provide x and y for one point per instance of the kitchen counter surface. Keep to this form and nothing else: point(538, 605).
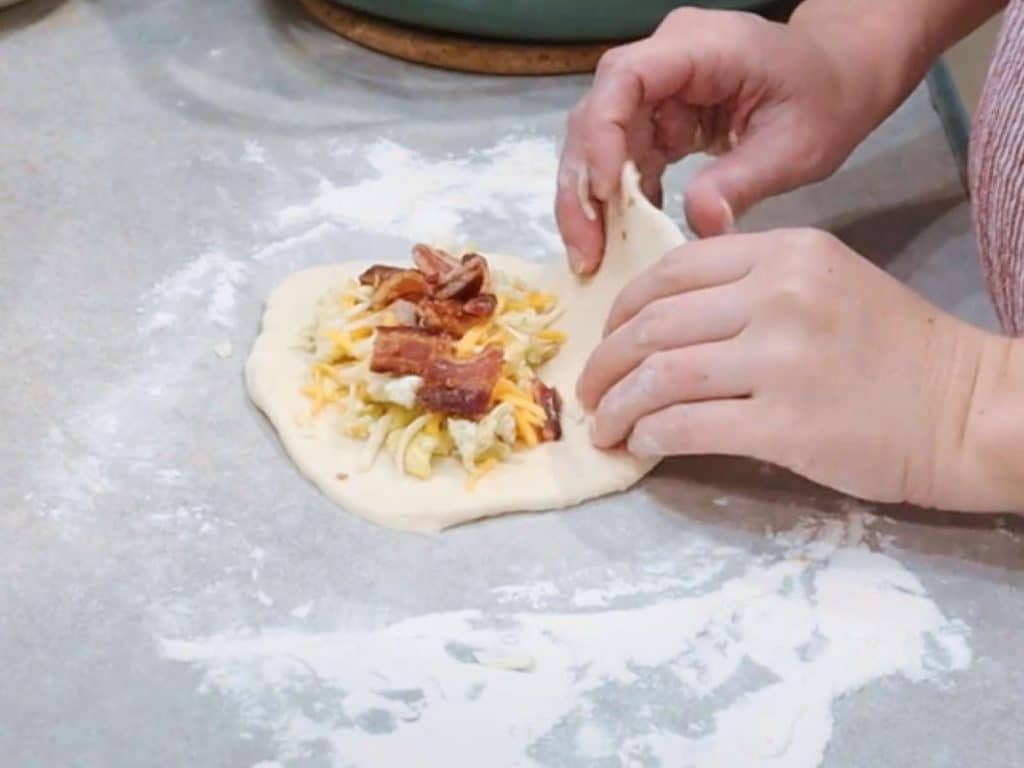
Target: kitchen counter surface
point(172, 592)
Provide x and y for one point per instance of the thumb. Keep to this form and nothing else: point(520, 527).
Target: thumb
point(760, 166)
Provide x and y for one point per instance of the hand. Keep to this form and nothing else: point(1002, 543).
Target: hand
point(790, 348)
point(781, 107)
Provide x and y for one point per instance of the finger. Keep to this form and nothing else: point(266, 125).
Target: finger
point(764, 163)
point(581, 225)
point(614, 99)
point(712, 371)
point(676, 321)
point(677, 130)
point(690, 267)
point(715, 427)
point(643, 150)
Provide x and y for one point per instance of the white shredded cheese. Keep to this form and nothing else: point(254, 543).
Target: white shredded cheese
point(410, 432)
point(378, 434)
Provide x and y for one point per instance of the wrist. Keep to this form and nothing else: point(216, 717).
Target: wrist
point(985, 446)
point(880, 55)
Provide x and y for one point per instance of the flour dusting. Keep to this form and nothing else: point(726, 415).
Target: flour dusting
point(414, 197)
point(814, 621)
point(211, 279)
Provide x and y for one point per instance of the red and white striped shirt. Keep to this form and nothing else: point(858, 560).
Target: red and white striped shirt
point(997, 173)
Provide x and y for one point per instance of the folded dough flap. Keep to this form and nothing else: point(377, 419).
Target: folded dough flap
point(637, 235)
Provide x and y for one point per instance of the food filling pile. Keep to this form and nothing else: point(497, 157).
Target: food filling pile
point(436, 360)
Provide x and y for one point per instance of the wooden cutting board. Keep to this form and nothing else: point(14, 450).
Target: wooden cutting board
point(463, 54)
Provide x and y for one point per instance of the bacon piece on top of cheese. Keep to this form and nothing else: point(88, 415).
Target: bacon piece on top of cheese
point(406, 351)
point(454, 317)
point(461, 388)
point(435, 263)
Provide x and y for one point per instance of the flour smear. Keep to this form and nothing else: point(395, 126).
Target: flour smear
point(739, 663)
point(408, 195)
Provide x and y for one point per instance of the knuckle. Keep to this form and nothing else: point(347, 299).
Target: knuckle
point(744, 27)
point(674, 372)
point(802, 263)
point(611, 60)
point(815, 161)
point(685, 17)
point(651, 373)
point(646, 326)
point(672, 265)
point(796, 293)
point(804, 245)
point(789, 357)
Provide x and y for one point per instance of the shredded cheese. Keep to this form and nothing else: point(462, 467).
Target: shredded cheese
point(375, 442)
point(433, 425)
point(507, 392)
point(542, 302)
point(524, 429)
point(481, 470)
point(467, 345)
point(549, 334)
point(410, 432)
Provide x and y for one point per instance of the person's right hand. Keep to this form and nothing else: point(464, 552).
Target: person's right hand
point(780, 106)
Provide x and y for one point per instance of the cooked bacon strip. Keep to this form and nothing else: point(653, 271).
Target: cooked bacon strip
point(466, 280)
point(376, 274)
point(481, 306)
point(461, 388)
point(406, 351)
point(435, 263)
point(408, 284)
point(453, 317)
point(549, 399)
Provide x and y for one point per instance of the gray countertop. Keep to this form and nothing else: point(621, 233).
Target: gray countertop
point(173, 593)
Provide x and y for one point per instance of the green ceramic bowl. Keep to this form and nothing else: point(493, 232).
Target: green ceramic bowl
point(537, 20)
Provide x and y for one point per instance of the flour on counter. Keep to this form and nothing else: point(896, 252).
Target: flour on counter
point(211, 280)
point(418, 198)
point(254, 153)
point(739, 665)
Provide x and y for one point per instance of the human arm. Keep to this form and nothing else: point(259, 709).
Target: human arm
point(891, 45)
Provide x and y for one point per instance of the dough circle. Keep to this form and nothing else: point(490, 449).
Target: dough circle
point(550, 476)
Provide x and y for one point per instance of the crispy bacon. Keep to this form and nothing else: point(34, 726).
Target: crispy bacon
point(407, 351)
point(435, 263)
point(376, 274)
point(407, 284)
point(453, 317)
point(482, 305)
point(549, 399)
point(466, 280)
point(461, 388)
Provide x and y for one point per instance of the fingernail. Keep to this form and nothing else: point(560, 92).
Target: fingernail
point(728, 218)
point(575, 259)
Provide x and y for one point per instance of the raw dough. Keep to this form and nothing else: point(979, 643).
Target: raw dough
point(550, 476)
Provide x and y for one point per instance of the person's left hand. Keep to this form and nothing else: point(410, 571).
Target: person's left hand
point(790, 348)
